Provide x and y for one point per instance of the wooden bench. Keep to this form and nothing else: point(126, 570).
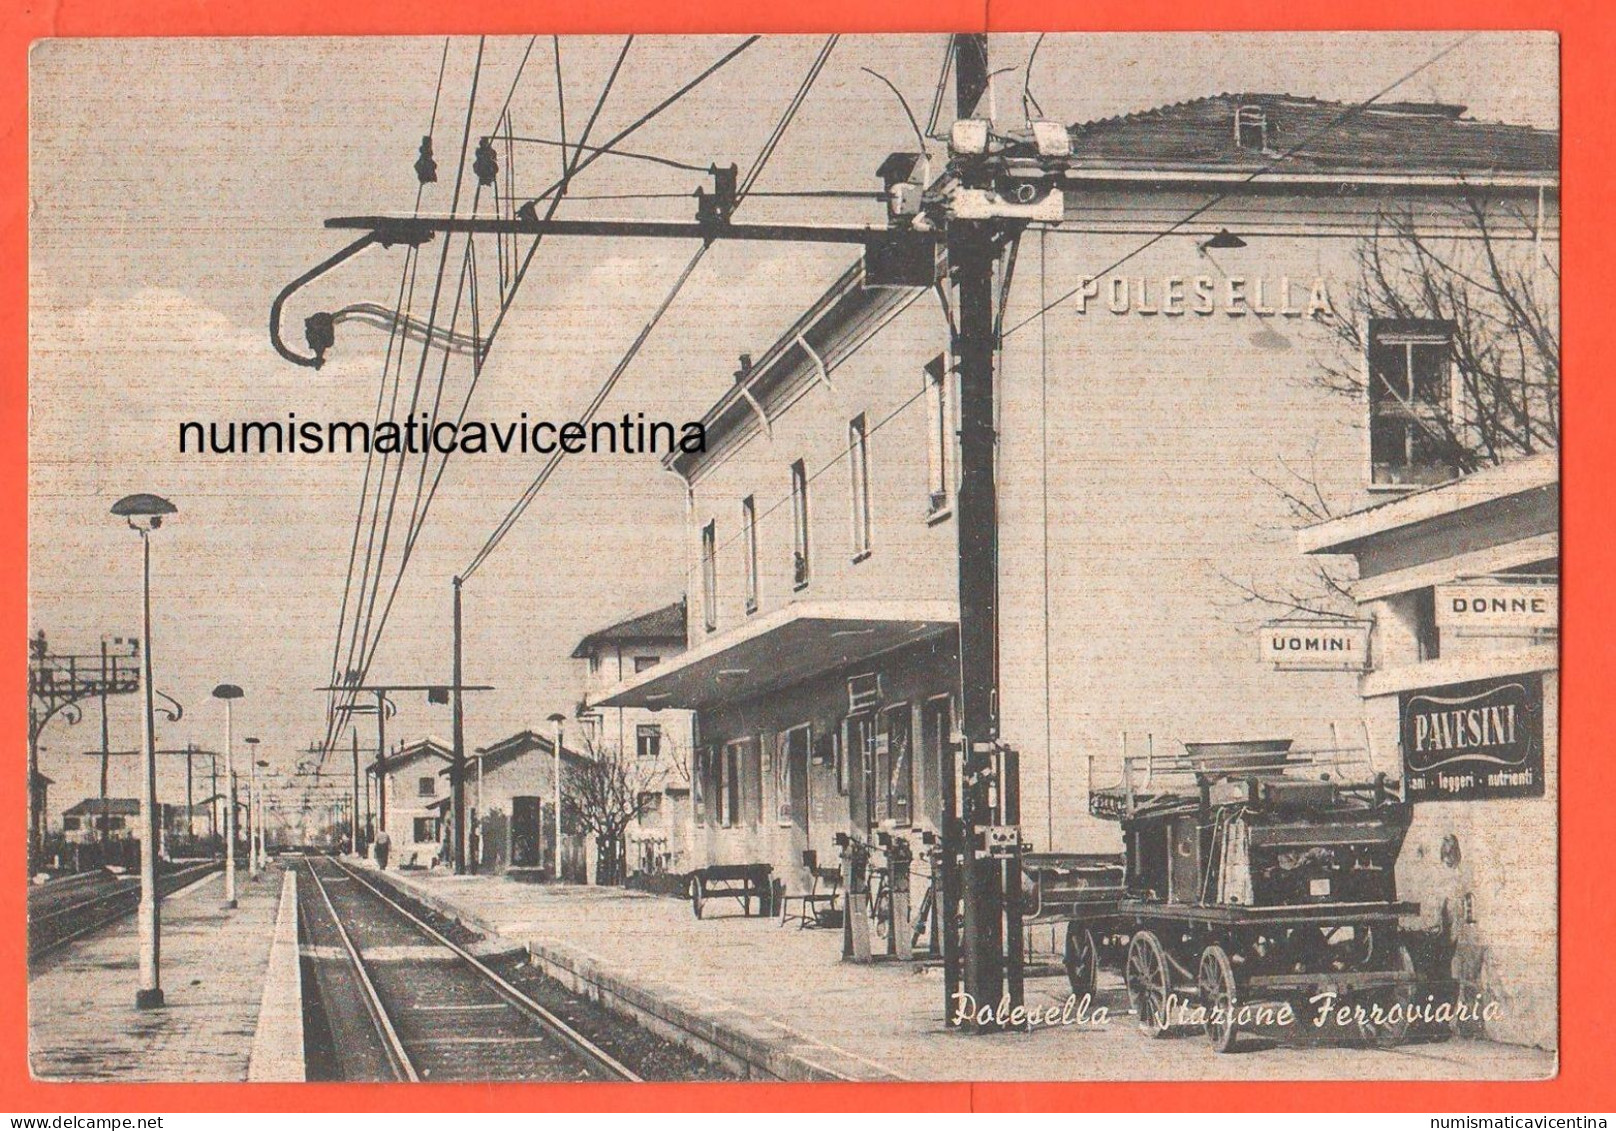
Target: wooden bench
point(742, 882)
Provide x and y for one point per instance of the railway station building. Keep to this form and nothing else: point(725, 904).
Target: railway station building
point(654, 746)
point(408, 783)
point(1175, 350)
point(510, 797)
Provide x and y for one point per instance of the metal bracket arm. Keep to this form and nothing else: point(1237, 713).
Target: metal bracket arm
point(386, 235)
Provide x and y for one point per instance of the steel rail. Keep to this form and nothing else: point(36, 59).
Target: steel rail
point(127, 895)
point(574, 1039)
point(397, 1055)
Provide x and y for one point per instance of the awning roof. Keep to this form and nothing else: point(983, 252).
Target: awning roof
point(777, 649)
point(1459, 500)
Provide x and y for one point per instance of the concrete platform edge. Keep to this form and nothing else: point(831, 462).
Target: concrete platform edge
point(277, 1047)
point(753, 1046)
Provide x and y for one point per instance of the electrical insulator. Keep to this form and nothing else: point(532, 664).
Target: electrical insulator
point(716, 209)
point(903, 176)
point(486, 165)
point(320, 331)
point(426, 167)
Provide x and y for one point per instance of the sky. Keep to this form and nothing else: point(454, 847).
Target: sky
point(177, 185)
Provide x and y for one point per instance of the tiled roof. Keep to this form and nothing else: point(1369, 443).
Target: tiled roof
point(421, 748)
point(666, 623)
point(1329, 137)
point(508, 749)
point(113, 806)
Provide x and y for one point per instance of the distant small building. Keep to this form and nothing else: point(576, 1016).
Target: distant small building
point(409, 784)
point(119, 816)
point(655, 745)
point(84, 822)
point(510, 791)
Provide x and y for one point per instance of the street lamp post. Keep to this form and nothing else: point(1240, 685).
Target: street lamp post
point(560, 722)
point(255, 816)
point(144, 513)
point(263, 813)
point(229, 692)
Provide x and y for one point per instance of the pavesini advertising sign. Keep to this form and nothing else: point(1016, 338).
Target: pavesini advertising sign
point(1473, 740)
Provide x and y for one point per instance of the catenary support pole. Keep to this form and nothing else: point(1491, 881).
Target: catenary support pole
point(106, 753)
point(990, 959)
point(353, 823)
point(457, 767)
point(381, 760)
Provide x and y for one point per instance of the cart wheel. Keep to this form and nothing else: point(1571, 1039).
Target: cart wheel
point(698, 895)
point(1218, 998)
point(1392, 1032)
point(881, 912)
point(1082, 961)
point(1148, 988)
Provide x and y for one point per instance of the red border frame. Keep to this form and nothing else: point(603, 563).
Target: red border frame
point(1588, 781)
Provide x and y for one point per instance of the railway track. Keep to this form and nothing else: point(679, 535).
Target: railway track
point(401, 1001)
point(86, 908)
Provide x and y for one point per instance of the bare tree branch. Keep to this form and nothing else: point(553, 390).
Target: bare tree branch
point(1498, 293)
point(603, 796)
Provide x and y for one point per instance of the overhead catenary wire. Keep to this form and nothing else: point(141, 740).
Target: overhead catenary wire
point(394, 337)
point(554, 193)
point(363, 649)
point(418, 517)
point(437, 96)
point(503, 121)
point(467, 272)
point(629, 154)
point(570, 171)
point(531, 492)
point(753, 173)
point(1189, 218)
point(432, 318)
point(419, 507)
point(406, 285)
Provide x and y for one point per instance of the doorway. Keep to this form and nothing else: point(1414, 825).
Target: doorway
point(791, 785)
point(857, 751)
point(527, 832)
point(936, 725)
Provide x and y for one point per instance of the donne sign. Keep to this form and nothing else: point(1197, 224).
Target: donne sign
point(1498, 605)
point(1315, 646)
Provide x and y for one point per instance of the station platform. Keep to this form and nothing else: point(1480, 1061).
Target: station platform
point(778, 1002)
point(233, 1002)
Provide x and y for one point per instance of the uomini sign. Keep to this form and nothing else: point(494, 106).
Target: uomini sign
point(1316, 645)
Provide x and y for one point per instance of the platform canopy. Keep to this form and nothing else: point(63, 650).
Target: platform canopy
point(777, 649)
